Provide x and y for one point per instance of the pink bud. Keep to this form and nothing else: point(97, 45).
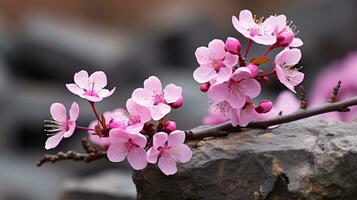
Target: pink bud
point(285, 38)
point(253, 68)
point(178, 103)
point(169, 126)
point(233, 45)
point(264, 106)
point(204, 87)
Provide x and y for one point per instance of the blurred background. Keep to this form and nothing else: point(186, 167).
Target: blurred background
point(43, 43)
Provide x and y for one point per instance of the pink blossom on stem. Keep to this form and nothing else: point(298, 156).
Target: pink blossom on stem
point(155, 98)
point(62, 126)
point(233, 46)
point(284, 67)
point(204, 87)
point(169, 126)
point(215, 63)
point(264, 106)
point(127, 145)
point(260, 32)
point(214, 117)
point(169, 149)
point(90, 87)
point(227, 112)
point(247, 114)
point(237, 89)
point(177, 104)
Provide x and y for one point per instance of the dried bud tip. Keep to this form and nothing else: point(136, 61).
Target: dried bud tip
point(204, 87)
point(264, 106)
point(178, 103)
point(233, 45)
point(169, 126)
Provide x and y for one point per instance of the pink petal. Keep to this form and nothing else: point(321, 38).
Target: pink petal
point(224, 74)
point(250, 87)
point(81, 79)
point(118, 136)
point(230, 60)
point(292, 57)
point(53, 141)
point(72, 128)
point(143, 97)
point(92, 98)
point(234, 117)
point(185, 153)
point(246, 116)
point(216, 49)
point(202, 55)
point(172, 93)
point(104, 142)
point(135, 109)
point(105, 92)
point(75, 89)
point(297, 42)
point(264, 39)
point(152, 155)
point(135, 128)
point(176, 138)
point(241, 73)
point(153, 84)
point(159, 111)
point(74, 111)
point(58, 112)
point(117, 152)
point(138, 139)
point(241, 27)
point(167, 165)
point(287, 103)
point(218, 92)
point(236, 99)
point(137, 158)
point(246, 16)
point(99, 79)
point(159, 140)
point(204, 74)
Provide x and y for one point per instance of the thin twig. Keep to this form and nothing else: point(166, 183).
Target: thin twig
point(336, 89)
point(303, 99)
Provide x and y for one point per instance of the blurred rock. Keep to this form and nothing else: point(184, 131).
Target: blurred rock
point(104, 186)
point(308, 159)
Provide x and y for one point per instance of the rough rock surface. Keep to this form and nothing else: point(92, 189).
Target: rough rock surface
point(312, 160)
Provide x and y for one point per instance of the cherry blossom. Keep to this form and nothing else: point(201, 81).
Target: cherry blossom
point(214, 117)
point(215, 63)
point(90, 87)
point(127, 145)
point(61, 126)
point(235, 91)
point(156, 99)
point(283, 32)
point(227, 112)
point(169, 149)
point(260, 32)
point(284, 67)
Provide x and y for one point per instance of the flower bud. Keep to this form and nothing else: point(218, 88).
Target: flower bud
point(285, 38)
point(169, 126)
point(264, 106)
point(178, 103)
point(204, 87)
point(233, 45)
point(253, 68)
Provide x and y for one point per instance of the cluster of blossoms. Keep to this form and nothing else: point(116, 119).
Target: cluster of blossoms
point(232, 81)
point(139, 133)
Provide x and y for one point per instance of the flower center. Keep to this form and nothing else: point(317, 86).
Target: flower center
point(158, 98)
point(134, 120)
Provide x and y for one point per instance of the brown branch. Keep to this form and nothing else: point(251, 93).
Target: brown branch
point(303, 99)
point(336, 89)
point(223, 129)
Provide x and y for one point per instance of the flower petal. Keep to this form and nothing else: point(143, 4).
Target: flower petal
point(202, 55)
point(137, 158)
point(250, 87)
point(218, 92)
point(117, 152)
point(185, 153)
point(105, 92)
point(135, 109)
point(172, 93)
point(99, 79)
point(152, 155)
point(75, 89)
point(176, 138)
point(53, 141)
point(216, 49)
point(159, 111)
point(297, 42)
point(246, 116)
point(153, 84)
point(204, 74)
point(92, 98)
point(143, 97)
point(58, 112)
point(159, 140)
point(138, 139)
point(71, 129)
point(230, 60)
point(81, 79)
point(74, 111)
point(118, 136)
point(264, 39)
point(236, 99)
point(167, 165)
point(224, 74)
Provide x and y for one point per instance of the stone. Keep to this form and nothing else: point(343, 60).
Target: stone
point(303, 160)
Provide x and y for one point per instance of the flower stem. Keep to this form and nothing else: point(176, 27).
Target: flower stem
point(248, 47)
point(95, 112)
point(84, 128)
point(268, 50)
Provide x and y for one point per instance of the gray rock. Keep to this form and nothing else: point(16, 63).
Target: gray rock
point(312, 160)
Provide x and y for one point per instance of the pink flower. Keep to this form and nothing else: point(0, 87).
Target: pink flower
point(283, 32)
point(90, 88)
point(155, 99)
point(240, 86)
point(284, 63)
point(286, 103)
point(214, 117)
point(135, 116)
point(227, 112)
point(131, 145)
point(63, 126)
point(215, 63)
point(260, 33)
point(169, 149)
point(247, 114)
